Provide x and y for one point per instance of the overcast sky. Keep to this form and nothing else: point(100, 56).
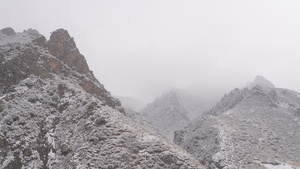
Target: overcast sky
point(140, 48)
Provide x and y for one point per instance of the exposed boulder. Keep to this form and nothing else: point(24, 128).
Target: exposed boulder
point(100, 121)
point(64, 148)
point(27, 152)
point(8, 31)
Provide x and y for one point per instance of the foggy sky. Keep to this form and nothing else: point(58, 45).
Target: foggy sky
point(141, 48)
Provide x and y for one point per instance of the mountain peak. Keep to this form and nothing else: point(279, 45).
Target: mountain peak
point(27, 53)
point(263, 82)
point(63, 46)
point(9, 38)
point(55, 114)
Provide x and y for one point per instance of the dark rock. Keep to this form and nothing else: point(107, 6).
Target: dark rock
point(120, 109)
point(3, 143)
point(90, 107)
point(63, 107)
point(93, 139)
point(100, 121)
point(9, 89)
point(64, 48)
point(40, 41)
point(64, 148)
point(8, 31)
point(29, 84)
point(4, 113)
point(178, 136)
point(92, 88)
point(101, 137)
point(297, 113)
point(8, 121)
point(27, 152)
point(271, 162)
point(61, 88)
point(168, 159)
point(22, 123)
point(32, 100)
point(15, 118)
point(56, 121)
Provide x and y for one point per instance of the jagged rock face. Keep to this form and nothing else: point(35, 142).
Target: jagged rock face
point(250, 128)
point(62, 45)
point(27, 51)
point(51, 116)
point(263, 82)
point(228, 102)
point(172, 111)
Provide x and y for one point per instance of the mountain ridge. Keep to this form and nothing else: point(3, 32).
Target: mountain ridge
point(55, 113)
point(254, 127)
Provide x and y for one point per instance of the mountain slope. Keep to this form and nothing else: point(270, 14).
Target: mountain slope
point(55, 114)
point(172, 111)
point(250, 128)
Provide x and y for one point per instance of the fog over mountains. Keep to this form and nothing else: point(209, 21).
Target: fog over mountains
point(256, 127)
point(141, 49)
point(154, 84)
point(173, 110)
point(54, 113)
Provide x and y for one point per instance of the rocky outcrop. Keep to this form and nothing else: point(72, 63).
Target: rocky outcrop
point(29, 53)
point(261, 81)
point(249, 128)
point(62, 46)
point(55, 114)
point(8, 31)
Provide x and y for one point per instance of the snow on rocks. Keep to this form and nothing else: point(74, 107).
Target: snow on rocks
point(54, 116)
point(249, 128)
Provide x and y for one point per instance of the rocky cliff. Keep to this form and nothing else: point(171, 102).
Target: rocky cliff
point(255, 127)
point(55, 114)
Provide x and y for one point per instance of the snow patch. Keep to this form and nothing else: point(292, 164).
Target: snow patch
point(2, 97)
point(148, 138)
point(280, 166)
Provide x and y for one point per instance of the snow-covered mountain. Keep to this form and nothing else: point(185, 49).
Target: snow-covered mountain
point(257, 127)
point(173, 110)
point(261, 81)
point(55, 114)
